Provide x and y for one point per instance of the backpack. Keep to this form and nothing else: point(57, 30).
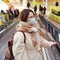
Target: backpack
point(10, 44)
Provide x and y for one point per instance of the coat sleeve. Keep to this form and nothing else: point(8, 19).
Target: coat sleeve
point(45, 43)
point(19, 46)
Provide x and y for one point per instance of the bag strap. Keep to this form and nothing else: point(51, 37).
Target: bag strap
point(24, 36)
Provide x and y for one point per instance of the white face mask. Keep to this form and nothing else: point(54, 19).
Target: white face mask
point(32, 20)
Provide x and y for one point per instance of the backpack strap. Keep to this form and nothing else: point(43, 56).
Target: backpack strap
point(24, 36)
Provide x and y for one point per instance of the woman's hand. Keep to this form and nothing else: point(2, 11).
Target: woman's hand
point(53, 44)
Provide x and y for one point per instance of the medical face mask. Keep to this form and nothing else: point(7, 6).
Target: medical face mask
point(32, 20)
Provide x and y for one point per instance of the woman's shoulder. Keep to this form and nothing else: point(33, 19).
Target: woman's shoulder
point(18, 34)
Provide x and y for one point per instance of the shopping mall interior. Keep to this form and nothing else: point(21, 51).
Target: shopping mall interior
point(47, 15)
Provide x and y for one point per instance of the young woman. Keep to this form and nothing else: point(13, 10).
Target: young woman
point(28, 50)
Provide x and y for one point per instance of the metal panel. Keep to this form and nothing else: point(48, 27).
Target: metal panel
point(51, 30)
point(56, 36)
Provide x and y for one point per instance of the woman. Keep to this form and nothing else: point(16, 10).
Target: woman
point(33, 41)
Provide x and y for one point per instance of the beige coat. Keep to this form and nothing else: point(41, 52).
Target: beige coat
point(28, 51)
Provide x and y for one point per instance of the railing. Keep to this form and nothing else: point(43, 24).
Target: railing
point(7, 26)
point(54, 31)
point(51, 27)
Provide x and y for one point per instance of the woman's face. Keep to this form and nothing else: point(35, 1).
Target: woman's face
point(31, 15)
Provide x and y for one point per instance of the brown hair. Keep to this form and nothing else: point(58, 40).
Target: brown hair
point(24, 14)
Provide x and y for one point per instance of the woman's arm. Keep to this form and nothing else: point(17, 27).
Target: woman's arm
point(46, 44)
point(18, 45)
point(19, 50)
